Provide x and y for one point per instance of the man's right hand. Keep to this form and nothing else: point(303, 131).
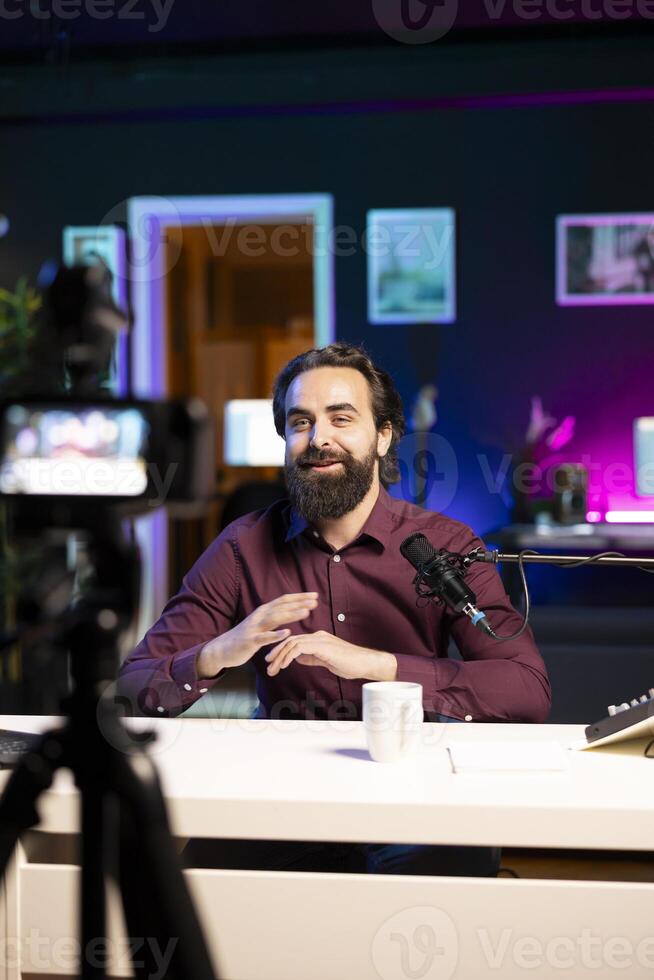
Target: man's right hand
point(259, 629)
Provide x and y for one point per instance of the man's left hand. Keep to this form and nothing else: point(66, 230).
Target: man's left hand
point(344, 659)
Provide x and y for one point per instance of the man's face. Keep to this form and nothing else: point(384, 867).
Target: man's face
point(332, 445)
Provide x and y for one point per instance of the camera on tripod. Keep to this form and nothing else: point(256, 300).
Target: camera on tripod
point(66, 456)
point(74, 463)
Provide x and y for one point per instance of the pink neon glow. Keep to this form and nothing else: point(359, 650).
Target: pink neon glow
point(593, 517)
point(629, 517)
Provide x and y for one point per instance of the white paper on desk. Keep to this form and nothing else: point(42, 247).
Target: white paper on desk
point(507, 757)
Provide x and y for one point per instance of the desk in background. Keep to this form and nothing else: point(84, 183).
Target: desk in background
point(594, 626)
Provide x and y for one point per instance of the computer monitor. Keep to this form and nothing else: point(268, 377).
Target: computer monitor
point(644, 456)
point(250, 435)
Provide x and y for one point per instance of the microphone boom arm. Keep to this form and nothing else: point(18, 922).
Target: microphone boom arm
point(611, 559)
point(440, 574)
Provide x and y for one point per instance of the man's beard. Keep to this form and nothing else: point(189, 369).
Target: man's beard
point(317, 495)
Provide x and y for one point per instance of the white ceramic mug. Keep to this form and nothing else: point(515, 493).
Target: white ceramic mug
point(392, 718)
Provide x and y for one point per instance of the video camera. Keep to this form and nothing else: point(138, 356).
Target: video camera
point(64, 457)
point(75, 462)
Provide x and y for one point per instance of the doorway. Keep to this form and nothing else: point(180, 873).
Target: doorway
point(225, 291)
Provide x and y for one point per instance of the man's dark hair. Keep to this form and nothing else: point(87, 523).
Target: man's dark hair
point(384, 397)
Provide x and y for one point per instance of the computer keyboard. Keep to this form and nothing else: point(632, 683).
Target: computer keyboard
point(14, 745)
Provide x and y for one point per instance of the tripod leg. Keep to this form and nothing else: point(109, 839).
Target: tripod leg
point(32, 776)
point(93, 911)
point(151, 946)
point(150, 856)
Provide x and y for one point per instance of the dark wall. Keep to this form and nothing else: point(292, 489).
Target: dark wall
point(331, 122)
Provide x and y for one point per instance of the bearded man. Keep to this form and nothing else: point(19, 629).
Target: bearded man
point(315, 593)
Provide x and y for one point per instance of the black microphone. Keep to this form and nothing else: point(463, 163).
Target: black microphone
point(442, 579)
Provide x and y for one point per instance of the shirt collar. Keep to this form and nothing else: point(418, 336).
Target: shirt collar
point(296, 525)
point(378, 525)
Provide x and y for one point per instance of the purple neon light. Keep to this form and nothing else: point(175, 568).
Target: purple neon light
point(120, 275)
point(508, 100)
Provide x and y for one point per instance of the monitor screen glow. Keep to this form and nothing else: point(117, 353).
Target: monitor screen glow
point(250, 435)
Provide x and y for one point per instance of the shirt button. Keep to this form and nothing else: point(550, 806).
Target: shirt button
point(337, 557)
point(187, 687)
point(468, 718)
point(160, 709)
point(341, 617)
point(203, 690)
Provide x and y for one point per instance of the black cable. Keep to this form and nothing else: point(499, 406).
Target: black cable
point(591, 559)
point(507, 873)
point(525, 619)
point(604, 554)
point(428, 594)
point(576, 564)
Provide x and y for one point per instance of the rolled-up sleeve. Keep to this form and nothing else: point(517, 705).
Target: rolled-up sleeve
point(494, 681)
point(160, 676)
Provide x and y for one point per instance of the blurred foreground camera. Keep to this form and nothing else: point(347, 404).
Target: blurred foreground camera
point(65, 457)
point(72, 466)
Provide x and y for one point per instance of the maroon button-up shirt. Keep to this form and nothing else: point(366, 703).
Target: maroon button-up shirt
point(366, 596)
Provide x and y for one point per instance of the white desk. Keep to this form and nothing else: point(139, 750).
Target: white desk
point(313, 780)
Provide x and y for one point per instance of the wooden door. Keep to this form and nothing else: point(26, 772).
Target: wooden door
point(239, 306)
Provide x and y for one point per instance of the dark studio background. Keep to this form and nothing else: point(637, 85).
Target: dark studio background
point(509, 127)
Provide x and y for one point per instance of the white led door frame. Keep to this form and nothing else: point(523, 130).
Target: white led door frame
point(150, 261)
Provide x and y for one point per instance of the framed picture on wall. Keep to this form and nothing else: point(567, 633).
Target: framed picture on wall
point(86, 245)
point(411, 265)
point(605, 259)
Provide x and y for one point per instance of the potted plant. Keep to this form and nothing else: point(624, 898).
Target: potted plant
point(19, 326)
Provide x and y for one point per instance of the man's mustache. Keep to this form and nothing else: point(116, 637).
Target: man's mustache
point(309, 459)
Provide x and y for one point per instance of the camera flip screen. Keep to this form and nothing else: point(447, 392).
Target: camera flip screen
point(65, 450)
